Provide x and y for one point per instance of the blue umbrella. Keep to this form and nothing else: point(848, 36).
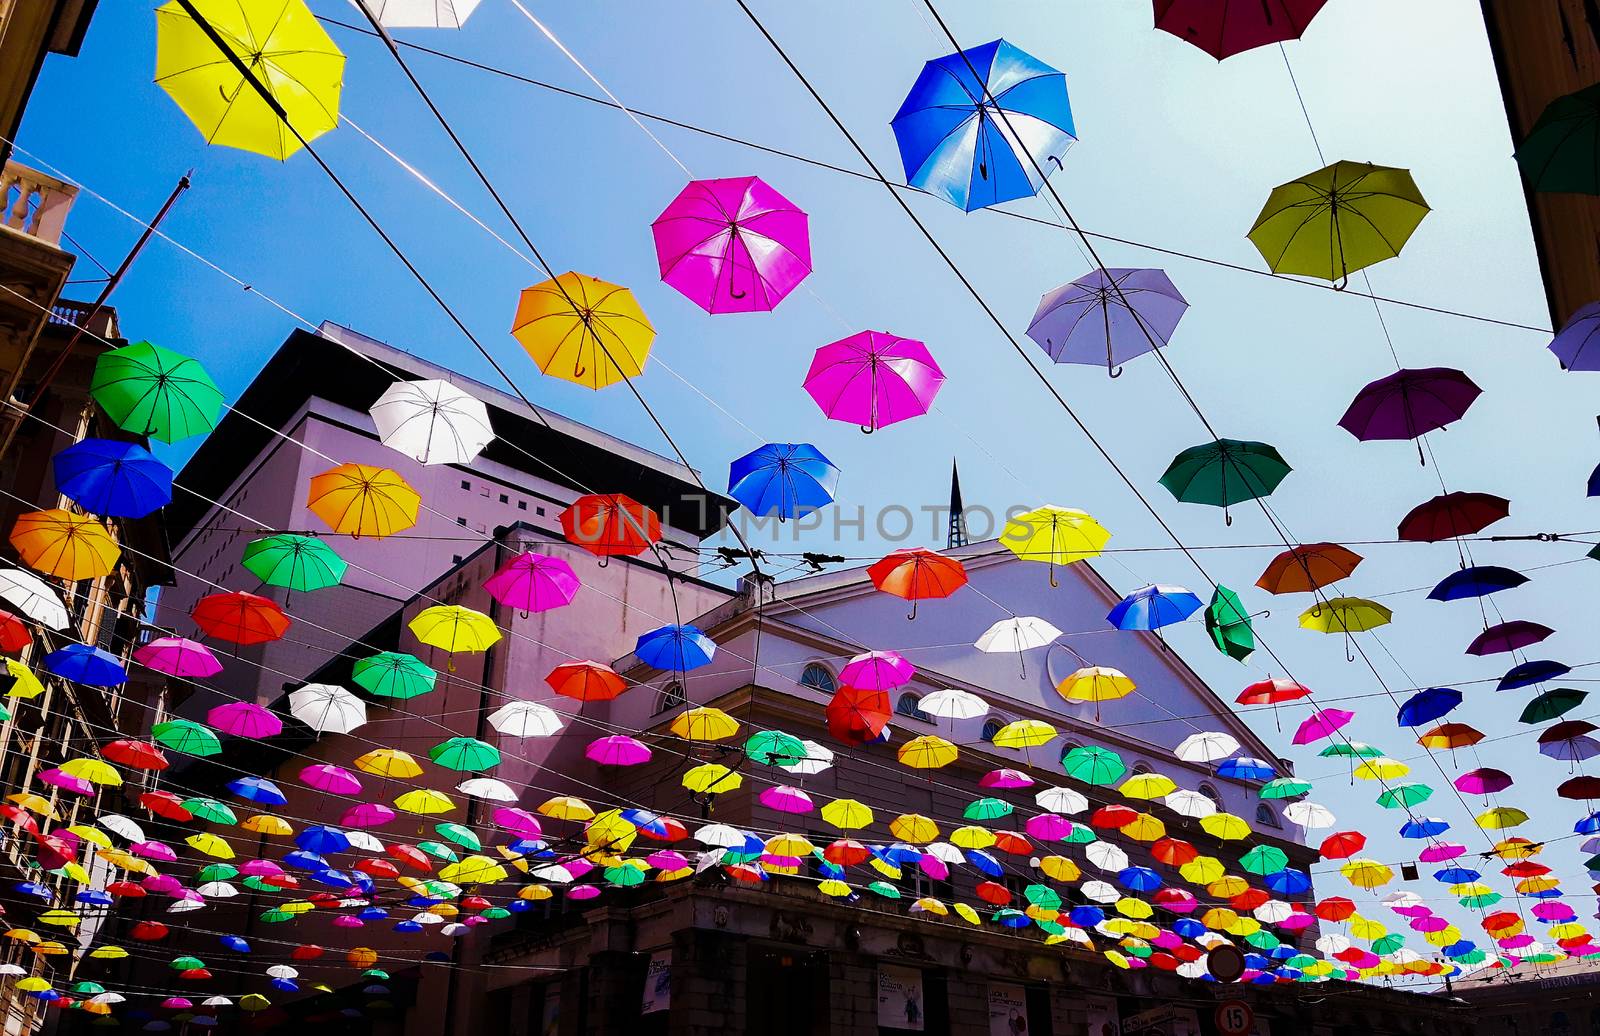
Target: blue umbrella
point(373, 913)
point(1187, 927)
point(1529, 673)
point(1283, 952)
point(1456, 875)
point(1424, 827)
point(1139, 879)
point(33, 888)
point(1288, 882)
point(322, 839)
point(829, 870)
point(1478, 581)
point(675, 648)
point(1087, 916)
point(1589, 825)
point(783, 478)
point(1154, 606)
point(973, 151)
point(258, 789)
point(984, 862)
point(287, 985)
point(1427, 705)
point(1594, 482)
point(408, 926)
point(83, 664)
point(331, 878)
point(1459, 949)
point(1258, 961)
point(94, 897)
point(119, 479)
point(306, 861)
point(235, 943)
point(1244, 768)
point(1011, 918)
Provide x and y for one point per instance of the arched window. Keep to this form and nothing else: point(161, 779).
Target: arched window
point(1211, 793)
point(670, 697)
point(817, 677)
point(1265, 815)
point(908, 704)
point(992, 726)
point(1067, 747)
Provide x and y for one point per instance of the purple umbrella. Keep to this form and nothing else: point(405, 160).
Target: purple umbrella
point(733, 245)
point(873, 379)
point(1485, 781)
point(1577, 344)
point(1409, 403)
point(1508, 636)
point(1108, 317)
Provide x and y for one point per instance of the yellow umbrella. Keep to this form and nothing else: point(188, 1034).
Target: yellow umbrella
point(1532, 886)
point(453, 627)
point(1024, 733)
point(1381, 768)
point(847, 814)
point(888, 870)
point(1054, 535)
point(565, 807)
point(211, 845)
point(968, 914)
point(535, 893)
point(1039, 913)
point(1570, 930)
point(108, 953)
point(705, 724)
point(124, 859)
point(1345, 615)
point(92, 835)
point(60, 543)
point(1218, 918)
point(1228, 886)
point(388, 762)
point(1243, 926)
point(914, 828)
point(1138, 909)
point(711, 778)
point(59, 918)
point(1501, 817)
point(1517, 849)
point(95, 771)
point(789, 844)
point(50, 947)
point(583, 330)
point(473, 870)
point(1366, 874)
point(267, 824)
point(1060, 868)
point(35, 803)
point(297, 907)
point(33, 984)
point(425, 801)
point(928, 752)
point(1225, 826)
point(24, 684)
point(929, 905)
point(1145, 828)
point(1095, 683)
point(360, 500)
point(1202, 870)
point(972, 837)
point(1367, 928)
point(74, 870)
point(282, 44)
point(834, 888)
point(22, 935)
point(611, 830)
point(1147, 786)
point(1450, 933)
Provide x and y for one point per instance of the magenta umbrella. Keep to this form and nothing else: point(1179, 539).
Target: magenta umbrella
point(178, 656)
point(1508, 636)
point(66, 782)
point(1048, 827)
point(1410, 403)
point(873, 379)
point(1484, 781)
point(244, 719)
point(785, 799)
point(1005, 779)
point(367, 814)
point(1321, 724)
point(348, 921)
point(667, 860)
point(517, 821)
point(335, 780)
point(877, 671)
point(733, 245)
point(534, 583)
point(260, 869)
point(617, 750)
point(154, 851)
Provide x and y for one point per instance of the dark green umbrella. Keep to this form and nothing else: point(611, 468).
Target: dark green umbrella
point(1562, 151)
point(393, 674)
point(1225, 472)
point(1551, 704)
point(294, 562)
point(1229, 625)
point(153, 391)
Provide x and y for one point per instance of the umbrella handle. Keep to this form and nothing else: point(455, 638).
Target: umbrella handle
point(1349, 655)
point(1420, 458)
point(867, 429)
point(1115, 372)
point(913, 614)
point(1053, 573)
point(604, 561)
point(1227, 517)
point(1343, 282)
point(736, 294)
point(579, 370)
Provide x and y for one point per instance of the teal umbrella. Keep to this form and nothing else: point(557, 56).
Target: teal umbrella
point(1229, 625)
point(1092, 764)
point(1225, 472)
point(295, 562)
point(393, 674)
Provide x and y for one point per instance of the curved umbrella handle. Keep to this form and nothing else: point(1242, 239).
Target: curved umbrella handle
point(867, 429)
point(913, 614)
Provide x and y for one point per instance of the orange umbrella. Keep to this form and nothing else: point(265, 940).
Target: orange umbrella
point(361, 500)
point(1308, 567)
point(60, 543)
point(1450, 735)
point(605, 524)
point(586, 681)
point(916, 574)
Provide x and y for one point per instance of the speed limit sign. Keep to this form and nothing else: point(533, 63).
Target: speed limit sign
point(1234, 1018)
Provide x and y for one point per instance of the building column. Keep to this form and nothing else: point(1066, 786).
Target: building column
point(853, 995)
point(708, 984)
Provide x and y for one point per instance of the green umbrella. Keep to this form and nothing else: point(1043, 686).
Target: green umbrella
point(1049, 927)
point(393, 674)
point(211, 809)
point(1144, 950)
point(89, 988)
point(774, 748)
point(1284, 788)
point(260, 884)
point(296, 562)
point(438, 851)
point(1472, 956)
point(1350, 750)
point(1043, 896)
point(276, 916)
point(1551, 704)
point(5, 713)
point(1403, 795)
point(377, 973)
point(462, 836)
point(441, 890)
point(884, 889)
point(465, 753)
point(217, 872)
point(1479, 902)
point(1562, 151)
point(1263, 940)
point(987, 809)
point(185, 735)
point(1229, 625)
point(1337, 220)
point(1594, 552)
point(625, 876)
point(1081, 834)
point(496, 913)
point(1092, 764)
point(1264, 859)
point(1225, 472)
point(153, 391)
point(1300, 961)
point(1388, 943)
point(186, 963)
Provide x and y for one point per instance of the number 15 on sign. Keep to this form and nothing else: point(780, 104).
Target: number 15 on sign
point(1234, 1018)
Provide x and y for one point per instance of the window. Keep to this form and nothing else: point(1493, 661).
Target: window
point(522, 505)
point(539, 511)
point(992, 726)
point(817, 677)
point(909, 705)
point(1265, 815)
point(461, 521)
point(1068, 747)
point(483, 491)
point(455, 559)
point(505, 498)
point(671, 697)
point(1211, 793)
point(1141, 767)
point(465, 484)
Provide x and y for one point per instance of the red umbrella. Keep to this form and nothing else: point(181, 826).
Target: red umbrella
point(1453, 514)
point(1249, 899)
point(149, 931)
point(1013, 843)
point(1525, 869)
point(139, 754)
point(1174, 852)
point(846, 852)
point(917, 574)
point(1223, 29)
point(410, 855)
point(1335, 908)
point(607, 524)
point(1271, 692)
point(126, 888)
point(856, 716)
point(1580, 787)
point(309, 951)
point(378, 868)
point(993, 892)
point(165, 804)
point(19, 816)
point(665, 830)
point(14, 634)
point(586, 681)
point(1308, 567)
point(241, 617)
point(1115, 817)
point(1342, 846)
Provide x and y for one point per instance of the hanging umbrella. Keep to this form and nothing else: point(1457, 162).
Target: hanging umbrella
point(1552, 704)
point(1024, 733)
point(1246, 768)
point(138, 754)
point(1527, 674)
point(118, 479)
point(583, 330)
point(287, 51)
point(1228, 625)
point(534, 583)
point(704, 724)
point(783, 478)
point(1054, 535)
point(1451, 515)
point(1232, 29)
point(916, 574)
point(857, 715)
point(393, 674)
point(1427, 705)
point(388, 762)
point(877, 671)
point(178, 656)
point(183, 735)
point(1092, 764)
point(240, 617)
point(1108, 316)
point(1151, 607)
point(420, 14)
point(1569, 741)
point(873, 379)
point(1477, 581)
point(984, 126)
point(152, 391)
point(327, 708)
point(1206, 747)
point(292, 561)
point(525, 719)
point(1323, 723)
point(1571, 344)
point(675, 648)
point(465, 754)
point(1225, 472)
point(1345, 615)
point(1560, 152)
point(15, 636)
point(617, 750)
point(454, 627)
point(245, 719)
point(1410, 403)
point(361, 500)
point(1096, 684)
point(1307, 568)
point(585, 681)
point(927, 752)
point(1338, 220)
point(1483, 781)
point(1016, 635)
point(610, 524)
point(86, 664)
point(432, 422)
point(732, 245)
point(33, 597)
point(60, 543)
point(1309, 815)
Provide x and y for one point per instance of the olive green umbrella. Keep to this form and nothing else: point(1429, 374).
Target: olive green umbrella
point(1229, 625)
point(1337, 220)
point(153, 391)
point(1225, 472)
point(1562, 151)
point(185, 735)
point(393, 674)
point(295, 562)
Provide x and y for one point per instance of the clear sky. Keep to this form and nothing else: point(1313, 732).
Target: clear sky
point(1175, 150)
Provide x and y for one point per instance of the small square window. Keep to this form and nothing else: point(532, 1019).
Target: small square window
point(465, 484)
point(504, 499)
point(455, 559)
point(539, 511)
point(522, 505)
point(461, 521)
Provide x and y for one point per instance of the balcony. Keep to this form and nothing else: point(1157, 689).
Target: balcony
point(33, 266)
point(36, 204)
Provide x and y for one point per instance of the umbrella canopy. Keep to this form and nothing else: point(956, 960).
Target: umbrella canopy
point(183, 735)
point(585, 681)
point(675, 648)
point(454, 627)
point(927, 752)
point(1409, 403)
point(1108, 316)
point(1206, 747)
point(1427, 705)
point(1096, 684)
point(1450, 735)
point(393, 674)
point(1225, 472)
point(583, 330)
point(1228, 624)
point(984, 126)
point(33, 598)
point(327, 708)
point(1451, 515)
point(877, 671)
point(1337, 220)
point(1526, 674)
point(917, 574)
point(1476, 581)
point(86, 664)
point(873, 379)
point(361, 500)
point(153, 391)
point(1017, 634)
point(465, 753)
point(610, 524)
point(292, 561)
point(1561, 151)
point(534, 583)
point(1345, 615)
point(1228, 29)
point(857, 715)
point(1151, 607)
point(1574, 345)
point(525, 719)
point(1054, 535)
point(1552, 704)
point(1323, 723)
point(1307, 568)
point(60, 543)
point(178, 656)
point(118, 479)
point(432, 422)
point(1483, 781)
point(421, 14)
point(245, 719)
point(732, 245)
point(1092, 764)
point(783, 478)
point(240, 617)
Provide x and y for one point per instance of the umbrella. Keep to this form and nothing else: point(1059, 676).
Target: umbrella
point(873, 379)
point(583, 330)
point(704, 724)
point(857, 715)
point(1552, 704)
point(119, 479)
point(1508, 636)
point(14, 633)
point(1323, 723)
point(240, 617)
point(138, 754)
point(585, 681)
point(335, 780)
point(877, 671)
point(1309, 815)
point(86, 664)
point(916, 574)
point(1402, 796)
point(393, 674)
point(454, 627)
point(465, 754)
point(1341, 846)
point(610, 524)
point(1055, 535)
point(675, 648)
point(927, 752)
point(388, 762)
point(1560, 152)
point(525, 719)
point(1206, 747)
point(1345, 615)
point(732, 245)
point(258, 789)
point(1017, 634)
point(953, 703)
point(184, 735)
point(153, 391)
point(1246, 768)
point(1529, 673)
point(1427, 705)
point(1092, 764)
point(984, 126)
point(534, 583)
point(1409, 403)
point(1307, 568)
point(1108, 316)
point(1228, 624)
point(245, 719)
point(1477, 581)
point(1151, 607)
point(361, 500)
point(1483, 781)
point(617, 750)
point(327, 709)
point(783, 478)
point(1225, 30)
point(1096, 684)
point(295, 562)
point(1451, 515)
point(60, 543)
point(1225, 472)
point(432, 422)
point(1023, 733)
point(33, 597)
point(1337, 220)
point(1571, 344)
point(420, 14)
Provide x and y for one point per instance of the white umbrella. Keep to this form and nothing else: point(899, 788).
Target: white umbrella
point(12, 969)
point(487, 788)
point(1211, 940)
point(1189, 969)
point(34, 598)
point(1106, 856)
point(817, 759)
point(720, 836)
point(327, 708)
point(1190, 804)
point(364, 841)
point(107, 998)
point(1017, 634)
point(427, 917)
point(216, 1001)
point(118, 824)
point(1309, 815)
point(525, 719)
point(1273, 911)
point(454, 928)
point(432, 421)
point(1401, 899)
point(1061, 800)
point(217, 890)
point(421, 14)
point(1333, 943)
point(1100, 891)
point(282, 971)
point(708, 860)
point(556, 873)
point(944, 852)
point(184, 906)
point(1206, 747)
point(953, 703)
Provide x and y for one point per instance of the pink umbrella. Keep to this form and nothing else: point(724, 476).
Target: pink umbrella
point(933, 867)
point(773, 859)
point(1431, 923)
point(877, 671)
point(367, 814)
point(873, 379)
point(154, 851)
point(1553, 912)
point(1005, 779)
point(1516, 942)
point(1583, 950)
point(667, 860)
point(245, 719)
point(1439, 852)
point(1296, 921)
point(66, 781)
point(1179, 902)
point(178, 656)
point(163, 883)
point(260, 869)
point(534, 583)
point(335, 780)
point(518, 821)
point(1167, 940)
point(1048, 827)
point(348, 921)
point(578, 868)
point(785, 799)
point(177, 1003)
point(1485, 781)
point(617, 750)
point(733, 245)
point(583, 892)
point(1321, 724)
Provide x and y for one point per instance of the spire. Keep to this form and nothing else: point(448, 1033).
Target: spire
point(958, 523)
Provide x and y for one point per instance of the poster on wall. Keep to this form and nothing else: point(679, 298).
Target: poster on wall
point(1103, 1017)
point(657, 984)
point(900, 1002)
point(1008, 1009)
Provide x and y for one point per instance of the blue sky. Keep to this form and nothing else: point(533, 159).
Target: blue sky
point(1175, 149)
